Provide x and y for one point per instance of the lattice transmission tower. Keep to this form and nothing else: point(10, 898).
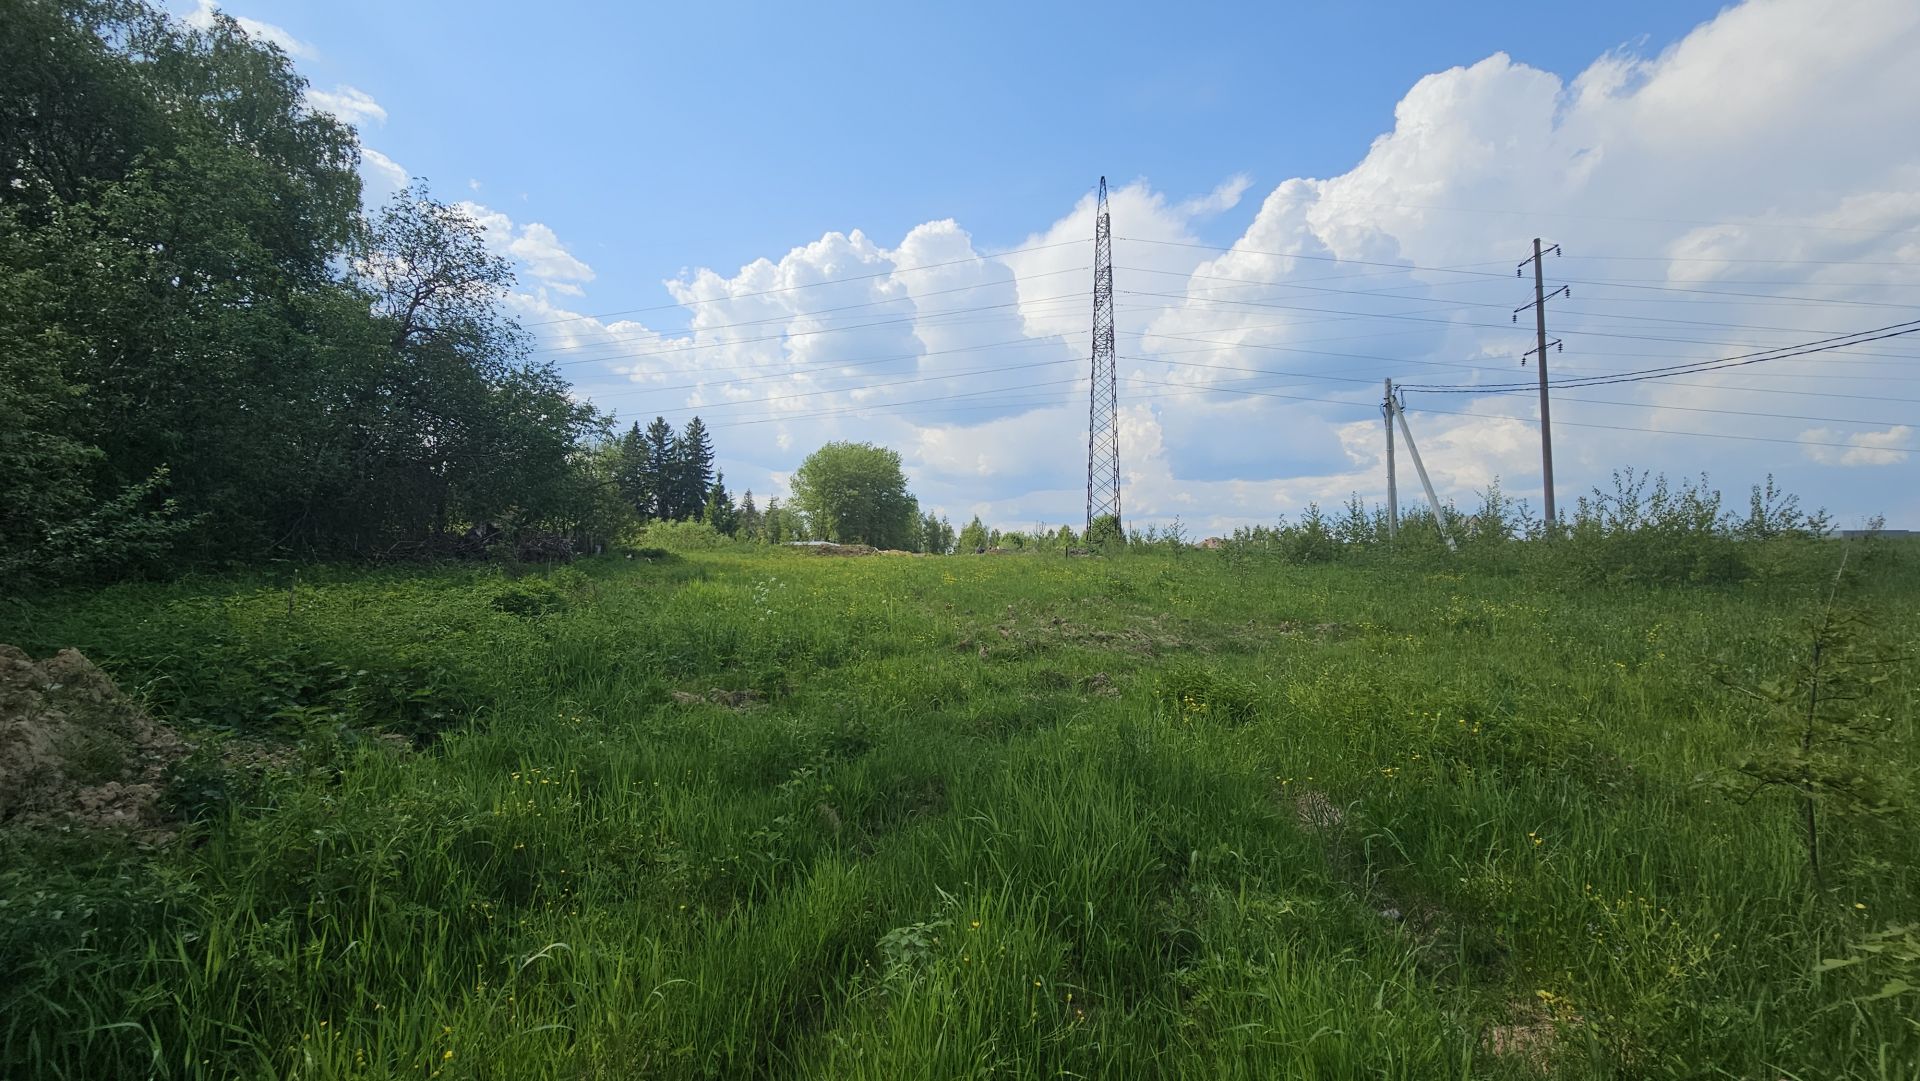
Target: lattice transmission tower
point(1103, 404)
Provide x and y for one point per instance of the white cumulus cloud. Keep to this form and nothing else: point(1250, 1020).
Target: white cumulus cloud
point(1735, 193)
point(534, 246)
point(387, 176)
point(545, 257)
point(349, 103)
point(1894, 446)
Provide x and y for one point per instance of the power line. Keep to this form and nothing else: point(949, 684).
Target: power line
point(835, 367)
point(1750, 296)
point(787, 335)
point(1720, 259)
point(1317, 376)
point(790, 316)
point(932, 320)
point(1893, 330)
point(1489, 304)
point(867, 386)
point(731, 423)
point(1234, 249)
point(1160, 358)
point(1699, 367)
point(1617, 217)
point(1736, 412)
point(1577, 424)
point(1447, 322)
point(809, 285)
point(1311, 258)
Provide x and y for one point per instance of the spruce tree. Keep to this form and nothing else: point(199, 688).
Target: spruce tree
point(662, 453)
point(693, 469)
point(750, 522)
point(719, 511)
point(776, 531)
point(632, 471)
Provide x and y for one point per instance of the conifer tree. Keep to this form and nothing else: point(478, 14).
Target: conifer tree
point(751, 524)
point(693, 469)
point(720, 512)
point(662, 452)
point(776, 531)
point(632, 471)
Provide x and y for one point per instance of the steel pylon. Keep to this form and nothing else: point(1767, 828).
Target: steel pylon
point(1103, 404)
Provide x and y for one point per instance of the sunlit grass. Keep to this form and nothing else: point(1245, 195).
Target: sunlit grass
point(1152, 816)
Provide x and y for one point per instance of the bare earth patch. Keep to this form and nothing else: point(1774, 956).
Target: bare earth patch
point(76, 751)
point(1316, 812)
point(735, 700)
point(1532, 1035)
point(843, 549)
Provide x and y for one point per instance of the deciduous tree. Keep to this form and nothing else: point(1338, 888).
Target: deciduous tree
point(855, 493)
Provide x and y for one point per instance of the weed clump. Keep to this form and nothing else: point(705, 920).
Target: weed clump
point(530, 599)
point(1194, 692)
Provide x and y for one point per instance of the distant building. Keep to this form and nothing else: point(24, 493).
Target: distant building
point(1856, 534)
point(1212, 542)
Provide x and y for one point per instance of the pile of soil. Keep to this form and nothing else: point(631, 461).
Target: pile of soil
point(843, 549)
point(76, 751)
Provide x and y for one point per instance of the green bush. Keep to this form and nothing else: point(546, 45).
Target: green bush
point(682, 537)
point(1648, 531)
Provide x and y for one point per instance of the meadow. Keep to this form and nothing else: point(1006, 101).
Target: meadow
point(1172, 814)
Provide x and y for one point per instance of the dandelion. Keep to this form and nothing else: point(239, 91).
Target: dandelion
point(1860, 906)
point(976, 925)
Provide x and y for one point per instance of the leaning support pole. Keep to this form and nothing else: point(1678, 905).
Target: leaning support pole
point(1439, 514)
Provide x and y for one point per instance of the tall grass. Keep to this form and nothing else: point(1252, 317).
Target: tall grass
point(1180, 814)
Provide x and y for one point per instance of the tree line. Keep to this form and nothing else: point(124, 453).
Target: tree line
point(212, 352)
point(209, 351)
point(848, 493)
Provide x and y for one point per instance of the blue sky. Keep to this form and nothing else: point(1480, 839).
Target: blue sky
point(663, 136)
point(805, 213)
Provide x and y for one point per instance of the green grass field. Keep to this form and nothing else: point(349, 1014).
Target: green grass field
point(1171, 815)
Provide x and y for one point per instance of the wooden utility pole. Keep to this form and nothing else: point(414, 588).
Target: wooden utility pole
point(1393, 490)
point(1539, 307)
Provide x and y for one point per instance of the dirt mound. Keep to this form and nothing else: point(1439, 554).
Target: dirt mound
point(74, 750)
point(825, 549)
